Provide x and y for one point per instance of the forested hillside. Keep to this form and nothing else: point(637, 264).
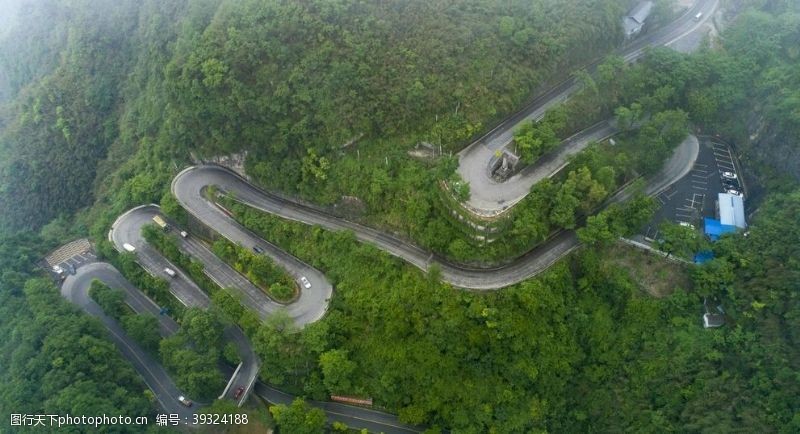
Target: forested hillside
point(53, 358)
point(290, 82)
point(287, 78)
point(580, 349)
point(104, 101)
point(67, 70)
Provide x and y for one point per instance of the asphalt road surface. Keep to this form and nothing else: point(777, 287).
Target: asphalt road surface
point(309, 307)
point(76, 289)
point(694, 196)
point(189, 184)
point(313, 302)
point(127, 230)
point(489, 197)
point(188, 187)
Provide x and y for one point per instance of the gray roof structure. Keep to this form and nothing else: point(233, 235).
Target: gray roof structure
point(634, 20)
point(731, 210)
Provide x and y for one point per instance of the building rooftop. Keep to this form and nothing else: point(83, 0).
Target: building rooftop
point(714, 228)
point(634, 20)
point(731, 210)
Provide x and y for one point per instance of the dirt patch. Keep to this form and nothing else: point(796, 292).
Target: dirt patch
point(654, 274)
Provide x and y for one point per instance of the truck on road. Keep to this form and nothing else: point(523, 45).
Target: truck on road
point(160, 222)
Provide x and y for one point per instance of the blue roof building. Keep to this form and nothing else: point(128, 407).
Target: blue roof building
point(714, 228)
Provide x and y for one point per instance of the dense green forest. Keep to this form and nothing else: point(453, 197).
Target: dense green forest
point(581, 348)
point(289, 82)
point(55, 359)
point(259, 269)
point(101, 103)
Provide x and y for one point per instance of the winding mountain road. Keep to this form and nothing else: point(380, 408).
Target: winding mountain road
point(189, 184)
point(127, 229)
point(489, 197)
point(309, 306)
point(76, 289)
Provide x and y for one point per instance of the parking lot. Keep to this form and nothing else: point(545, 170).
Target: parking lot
point(69, 257)
point(694, 196)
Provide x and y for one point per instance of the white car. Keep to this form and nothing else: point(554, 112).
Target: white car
point(184, 401)
point(129, 247)
point(729, 175)
point(306, 283)
point(170, 272)
point(733, 192)
point(57, 269)
point(686, 225)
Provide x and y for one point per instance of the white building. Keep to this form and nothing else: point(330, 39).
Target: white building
point(731, 210)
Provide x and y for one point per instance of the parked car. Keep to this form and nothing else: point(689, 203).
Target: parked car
point(57, 269)
point(258, 250)
point(306, 283)
point(238, 392)
point(733, 191)
point(686, 225)
point(729, 175)
point(184, 401)
point(730, 183)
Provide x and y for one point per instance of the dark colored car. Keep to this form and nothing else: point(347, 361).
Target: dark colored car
point(258, 249)
point(238, 392)
point(730, 183)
